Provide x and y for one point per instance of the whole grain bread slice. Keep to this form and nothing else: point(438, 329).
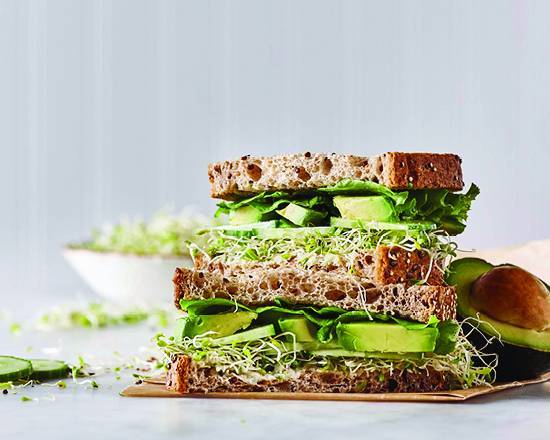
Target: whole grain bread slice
point(303, 171)
point(186, 376)
point(294, 285)
point(383, 265)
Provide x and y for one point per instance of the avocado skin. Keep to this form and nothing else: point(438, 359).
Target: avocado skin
point(514, 362)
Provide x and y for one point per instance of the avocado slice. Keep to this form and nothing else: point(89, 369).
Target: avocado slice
point(463, 273)
point(248, 335)
point(301, 216)
point(523, 352)
point(303, 329)
point(305, 333)
point(370, 208)
point(385, 337)
point(246, 215)
point(223, 324)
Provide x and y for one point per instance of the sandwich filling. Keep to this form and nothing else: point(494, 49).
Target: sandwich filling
point(277, 342)
point(355, 200)
point(341, 227)
point(336, 225)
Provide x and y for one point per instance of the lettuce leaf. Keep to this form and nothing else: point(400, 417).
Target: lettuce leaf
point(448, 333)
point(352, 187)
point(448, 210)
point(270, 202)
point(325, 318)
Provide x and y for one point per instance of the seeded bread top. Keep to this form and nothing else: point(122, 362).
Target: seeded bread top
point(303, 171)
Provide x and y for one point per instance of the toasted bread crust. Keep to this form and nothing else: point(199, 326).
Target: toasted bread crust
point(317, 288)
point(423, 171)
point(303, 171)
point(395, 265)
point(185, 376)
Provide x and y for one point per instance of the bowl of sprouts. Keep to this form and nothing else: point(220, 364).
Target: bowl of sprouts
point(134, 260)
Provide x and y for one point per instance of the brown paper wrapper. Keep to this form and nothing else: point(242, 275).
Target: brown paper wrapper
point(155, 388)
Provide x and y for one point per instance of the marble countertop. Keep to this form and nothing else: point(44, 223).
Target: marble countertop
point(81, 412)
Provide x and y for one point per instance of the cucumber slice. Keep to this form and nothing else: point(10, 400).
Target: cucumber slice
point(248, 335)
point(361, 354)
point(317, 346)
point(363, 224)
point(338, 352)
point(178, 329)
point(46, 369)
point(282, 233)
point(241, 228)
point(13, 369)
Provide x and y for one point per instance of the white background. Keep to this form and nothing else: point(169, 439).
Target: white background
point(112, 108)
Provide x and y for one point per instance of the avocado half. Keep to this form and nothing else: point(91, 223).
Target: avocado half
point(523, 353)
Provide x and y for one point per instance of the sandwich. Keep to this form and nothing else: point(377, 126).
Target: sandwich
point(327, 274)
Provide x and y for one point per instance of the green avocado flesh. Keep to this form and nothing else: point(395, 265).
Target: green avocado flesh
point(370, 208)
point(318, 331)
point(301, 216)
point(463, 273)
point(221, 325)
point(245, 215)
point(385, 337)
point(248, 335)
point(303, 330)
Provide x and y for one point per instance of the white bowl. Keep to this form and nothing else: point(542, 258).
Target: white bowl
point(126, 277)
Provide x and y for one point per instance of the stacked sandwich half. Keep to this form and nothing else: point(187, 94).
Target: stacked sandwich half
point(326, 276)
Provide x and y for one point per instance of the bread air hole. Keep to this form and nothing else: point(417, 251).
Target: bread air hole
point(274, 282)
point(335, 295)
point(254, 172)
point(302, 174)
point(326, 166)
point(372, 296)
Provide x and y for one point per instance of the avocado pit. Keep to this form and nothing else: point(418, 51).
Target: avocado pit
point(512, 295)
